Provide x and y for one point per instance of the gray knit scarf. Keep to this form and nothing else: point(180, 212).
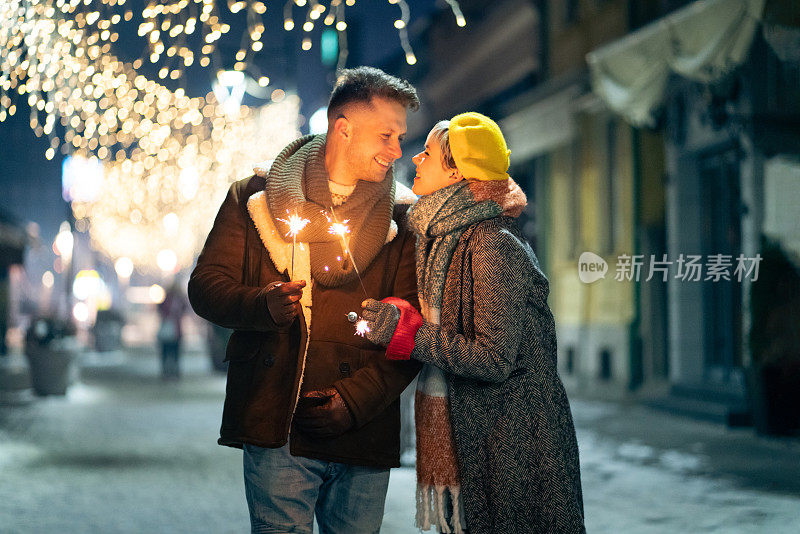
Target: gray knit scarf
point(298, 183)
point(439, 219)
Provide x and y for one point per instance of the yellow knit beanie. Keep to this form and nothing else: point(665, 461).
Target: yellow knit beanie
point(478, 147)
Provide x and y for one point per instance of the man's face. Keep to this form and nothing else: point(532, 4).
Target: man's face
point(376, 132)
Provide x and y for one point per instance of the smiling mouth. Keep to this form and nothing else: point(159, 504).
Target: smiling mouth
point(382, 162)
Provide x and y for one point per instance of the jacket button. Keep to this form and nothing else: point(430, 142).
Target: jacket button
point(268, 361)
point(344, 368)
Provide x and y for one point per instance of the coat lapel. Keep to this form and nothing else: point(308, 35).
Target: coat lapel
point(280, 251)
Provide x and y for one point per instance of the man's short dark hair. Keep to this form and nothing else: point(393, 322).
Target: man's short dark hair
point(362, 84)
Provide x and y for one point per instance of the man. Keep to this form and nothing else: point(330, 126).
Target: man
point(315, 407)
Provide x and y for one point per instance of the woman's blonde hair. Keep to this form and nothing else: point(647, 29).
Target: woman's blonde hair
point(441, 132)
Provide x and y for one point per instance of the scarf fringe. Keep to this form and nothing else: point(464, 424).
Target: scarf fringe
point(432, 507)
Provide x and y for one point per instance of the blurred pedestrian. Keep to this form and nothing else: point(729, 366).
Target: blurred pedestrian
point(496, 446)
point(170, 331)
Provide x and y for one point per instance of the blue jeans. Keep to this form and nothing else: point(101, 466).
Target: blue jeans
point(284, 492)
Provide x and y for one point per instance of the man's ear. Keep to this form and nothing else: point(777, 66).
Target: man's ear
point(343, 127)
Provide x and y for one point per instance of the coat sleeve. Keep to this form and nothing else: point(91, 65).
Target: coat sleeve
point(501, 271)
point(374, 387)
point(216, 288)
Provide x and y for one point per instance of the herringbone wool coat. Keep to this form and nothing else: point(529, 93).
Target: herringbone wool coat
point(515, 440)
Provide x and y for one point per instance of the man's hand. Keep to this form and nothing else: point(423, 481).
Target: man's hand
point(323, 414)
point(281, 300)
point(381, 319)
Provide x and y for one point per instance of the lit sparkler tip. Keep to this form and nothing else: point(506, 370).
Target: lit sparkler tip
point(340, 229)
point(361, 328)
point(295, 223)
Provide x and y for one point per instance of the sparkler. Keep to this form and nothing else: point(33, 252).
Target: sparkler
point(341, 229)
point(295, 224)
point(361, 324)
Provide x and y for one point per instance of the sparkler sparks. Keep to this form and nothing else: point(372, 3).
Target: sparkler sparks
point(295, 224)
point(362, 328)
point(341, 229)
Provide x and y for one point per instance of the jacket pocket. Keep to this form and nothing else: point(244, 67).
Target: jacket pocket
point(243, 346)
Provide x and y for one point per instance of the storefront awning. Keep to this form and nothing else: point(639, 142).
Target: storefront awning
point(541, 127)
point(702, 41)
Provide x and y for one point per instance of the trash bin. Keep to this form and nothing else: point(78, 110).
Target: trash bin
point(51, 350)
point(107, 330)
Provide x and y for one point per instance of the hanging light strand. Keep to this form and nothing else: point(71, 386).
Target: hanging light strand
point(167, 157)
point(456, 9)
point(341, 27)
point(90, 26)
point(402, 30)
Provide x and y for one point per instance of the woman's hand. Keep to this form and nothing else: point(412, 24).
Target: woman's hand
point(381, 319)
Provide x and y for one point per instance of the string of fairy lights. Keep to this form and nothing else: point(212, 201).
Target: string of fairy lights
point(167, 157)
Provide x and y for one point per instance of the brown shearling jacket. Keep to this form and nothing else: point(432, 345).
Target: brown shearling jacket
point(270, 366)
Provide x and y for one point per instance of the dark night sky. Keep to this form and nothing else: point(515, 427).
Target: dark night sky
point(30, 185)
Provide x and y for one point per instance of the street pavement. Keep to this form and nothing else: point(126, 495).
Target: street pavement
point(125, 452)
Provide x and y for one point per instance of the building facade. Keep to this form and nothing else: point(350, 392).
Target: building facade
point(711, 79)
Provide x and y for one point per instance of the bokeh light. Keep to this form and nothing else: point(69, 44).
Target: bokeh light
point(160, 159)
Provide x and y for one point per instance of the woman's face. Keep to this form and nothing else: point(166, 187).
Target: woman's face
point(432, 175)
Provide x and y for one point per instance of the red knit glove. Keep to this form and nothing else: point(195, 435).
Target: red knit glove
point(402, 341)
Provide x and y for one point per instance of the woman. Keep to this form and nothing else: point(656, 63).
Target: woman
point(496, 447)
